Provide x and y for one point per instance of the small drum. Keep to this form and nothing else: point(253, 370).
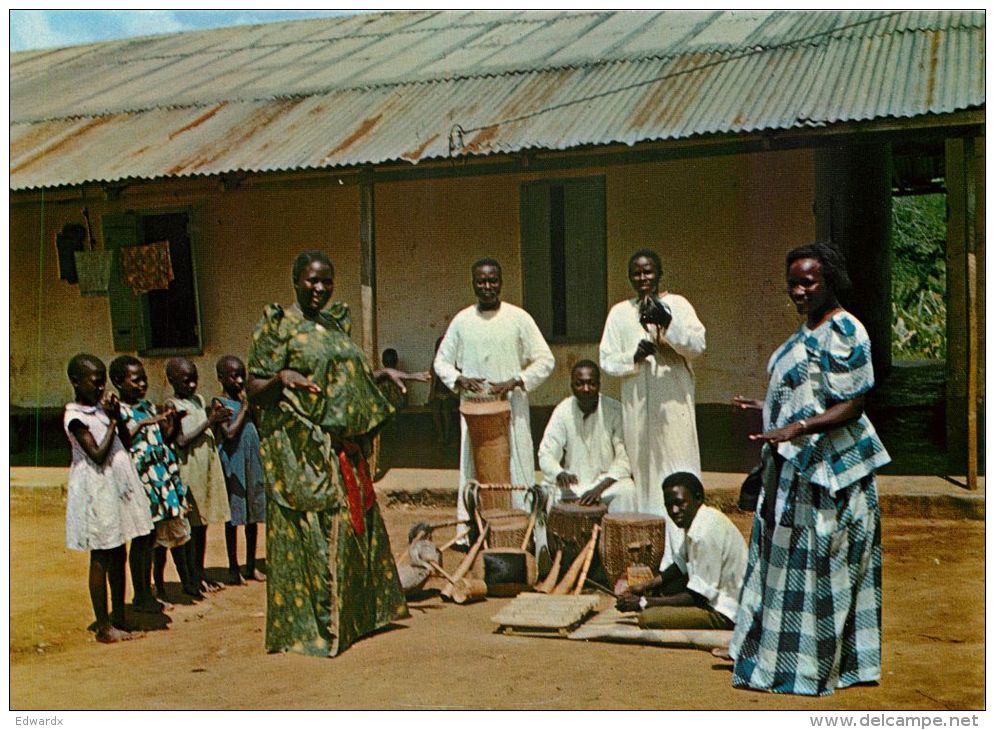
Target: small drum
point(508, 527)
point(488, 422)
point(630, 538)
point(569, 526)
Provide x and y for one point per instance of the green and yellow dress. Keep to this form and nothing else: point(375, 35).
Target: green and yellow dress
point(331, 578)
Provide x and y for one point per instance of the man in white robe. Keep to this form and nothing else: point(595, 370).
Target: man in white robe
point(497, 348)
point(582, 453)
point(649, 342)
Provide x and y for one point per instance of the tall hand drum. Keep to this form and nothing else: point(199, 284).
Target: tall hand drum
point(569, 526)
point(488, 423)
point(630, 538)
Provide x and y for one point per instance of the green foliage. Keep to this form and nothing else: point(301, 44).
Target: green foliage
point(919, 277)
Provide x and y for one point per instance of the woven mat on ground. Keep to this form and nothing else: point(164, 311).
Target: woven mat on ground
point(612, 625)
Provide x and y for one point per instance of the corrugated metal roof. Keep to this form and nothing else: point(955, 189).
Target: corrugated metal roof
point(373, 88)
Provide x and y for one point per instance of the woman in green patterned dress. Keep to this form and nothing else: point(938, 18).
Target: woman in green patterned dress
point(331, 578)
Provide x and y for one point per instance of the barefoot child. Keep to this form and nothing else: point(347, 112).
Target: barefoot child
point(106, 504)
point(200, 465)
point(238, 446)
point(159, 471)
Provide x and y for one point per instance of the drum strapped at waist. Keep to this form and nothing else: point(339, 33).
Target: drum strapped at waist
point(488, 424)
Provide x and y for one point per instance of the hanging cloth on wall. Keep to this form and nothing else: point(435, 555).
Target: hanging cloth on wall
point(148, 267)
point(94, 271)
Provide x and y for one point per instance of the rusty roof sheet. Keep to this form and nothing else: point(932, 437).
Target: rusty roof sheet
point(367, 89)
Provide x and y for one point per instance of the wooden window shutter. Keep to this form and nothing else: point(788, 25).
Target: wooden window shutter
point(128, 312)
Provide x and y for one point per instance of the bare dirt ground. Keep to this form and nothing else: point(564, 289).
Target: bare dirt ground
point(211, 656)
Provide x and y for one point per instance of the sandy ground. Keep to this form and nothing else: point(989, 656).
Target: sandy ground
point(210, 655)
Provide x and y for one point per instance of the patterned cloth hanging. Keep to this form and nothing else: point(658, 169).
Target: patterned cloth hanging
point(148, 267)
point(94, 271)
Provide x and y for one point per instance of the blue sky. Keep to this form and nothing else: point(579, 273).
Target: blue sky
point(31, 29)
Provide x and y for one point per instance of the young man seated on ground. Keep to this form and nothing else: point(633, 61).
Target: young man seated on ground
point(702, 569)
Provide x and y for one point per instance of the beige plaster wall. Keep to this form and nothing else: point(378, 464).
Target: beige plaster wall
point(244, 243)
point(721, 225)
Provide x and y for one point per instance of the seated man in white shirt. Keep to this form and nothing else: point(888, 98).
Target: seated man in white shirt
point(702, 569)
point(582, 453)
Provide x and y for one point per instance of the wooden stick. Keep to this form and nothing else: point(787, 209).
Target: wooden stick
point(549, 583)
point(438, 569)
point(587, 560)
point(566, 585)
point(467, 563)
point(528, 530)
point(465, 566)
point(449, 543)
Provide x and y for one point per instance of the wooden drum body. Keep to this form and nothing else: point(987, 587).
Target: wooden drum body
point(508, 526)
point(488, 424)
point(569, 526)
point(630, 538)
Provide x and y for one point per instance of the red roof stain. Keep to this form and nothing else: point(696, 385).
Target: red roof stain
point(738, 120)
point(416, 153)
point(241, 135)
point(482, 139)
point(361, 131)
point(199, 120)
point(667, 103)
point(70, 140)
point(934, 54)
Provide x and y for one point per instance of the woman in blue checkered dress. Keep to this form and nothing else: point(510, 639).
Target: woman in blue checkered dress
point(809, 616)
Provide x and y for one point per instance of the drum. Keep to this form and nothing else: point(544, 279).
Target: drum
point(488, 423)
point(508, 527)
point(569, 526)
point(630, 538)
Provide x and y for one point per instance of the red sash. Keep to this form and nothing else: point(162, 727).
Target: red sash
point(360, 502)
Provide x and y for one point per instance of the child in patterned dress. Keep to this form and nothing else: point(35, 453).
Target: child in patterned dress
point(238, 446)
point(200, 465)
point(106, 504)
point(159, 471)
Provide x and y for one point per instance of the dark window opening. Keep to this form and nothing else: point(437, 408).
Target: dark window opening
point(564, 257)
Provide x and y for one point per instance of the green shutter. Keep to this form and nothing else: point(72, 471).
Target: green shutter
point(128, 312)
point(535, 255)
point(586, 239)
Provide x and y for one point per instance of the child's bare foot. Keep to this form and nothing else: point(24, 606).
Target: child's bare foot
point(722, 652)
point(254, 574)
point(149, 605)
point(210, 586)
point(112, 635)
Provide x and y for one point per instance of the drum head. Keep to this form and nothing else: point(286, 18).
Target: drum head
point(484, 407)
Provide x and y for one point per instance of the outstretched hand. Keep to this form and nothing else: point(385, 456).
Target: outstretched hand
point(218, 413)
point(644, 350)
point(747, 404)
point(471, 385)
point(628, 601)
point(298, 381)
point(112, 407)
point(780, 435)
point(505, 386)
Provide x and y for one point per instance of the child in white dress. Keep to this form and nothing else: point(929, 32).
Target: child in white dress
point(106, 504)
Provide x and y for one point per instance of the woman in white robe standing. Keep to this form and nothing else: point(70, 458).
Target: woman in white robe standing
point(649, 342)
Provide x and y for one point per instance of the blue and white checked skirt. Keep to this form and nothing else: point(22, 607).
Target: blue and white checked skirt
point(809, 616)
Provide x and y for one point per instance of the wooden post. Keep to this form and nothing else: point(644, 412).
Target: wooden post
point(971, 290)
point(368, 265)
point(962, 309)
